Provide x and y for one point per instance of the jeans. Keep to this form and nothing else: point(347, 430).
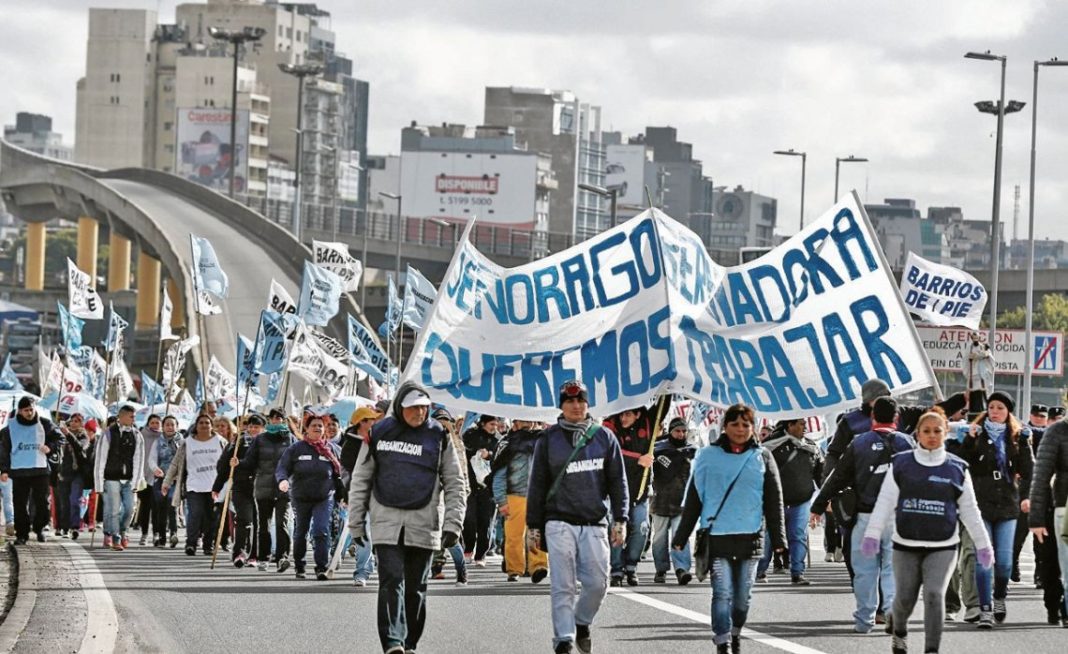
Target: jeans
point(69, 503)
point(8, 501)
point(314, 517)
point(576, 555)
point(870, 575)
point(278, 507)
point(625, 558)
point(365, 560)
point(732, 588)
point(23, 488)
point(402, 580)
point(118, 506)
point(796, 538)
point(665, 557)
point(164, 515)
point(478, 521)
point(200, 520)
point(1001, 533)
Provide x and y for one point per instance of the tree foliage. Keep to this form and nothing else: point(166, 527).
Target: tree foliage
point(1050, 314)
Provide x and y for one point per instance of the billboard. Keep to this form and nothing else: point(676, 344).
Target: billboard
point(203, 153)
point(499, 188)
point(625, 170)
point(947, 348)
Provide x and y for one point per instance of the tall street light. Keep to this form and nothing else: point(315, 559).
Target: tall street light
point(804, 156)
point(1031, 236)
point(300, 71)
point(238, 38)
point(995, 237)
point(838, 161)
point(397, 197)
point(610, 193)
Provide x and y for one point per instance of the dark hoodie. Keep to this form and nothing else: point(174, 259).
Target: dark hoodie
point(634, 444)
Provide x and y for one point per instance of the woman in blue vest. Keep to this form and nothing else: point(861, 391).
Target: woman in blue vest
point(731, 478)
point(1000, 461)
point(28, 445)
point(310, 472)
point(925, 495)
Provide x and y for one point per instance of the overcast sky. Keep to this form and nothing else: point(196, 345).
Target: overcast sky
point(738, 78)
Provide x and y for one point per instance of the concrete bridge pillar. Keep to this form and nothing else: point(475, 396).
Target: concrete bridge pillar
point(148, 285)
point(35, 256)
point(118, 262)
point(177, 302)
point(88, 243)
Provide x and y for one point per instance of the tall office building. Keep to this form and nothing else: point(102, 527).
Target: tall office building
point(33, 132)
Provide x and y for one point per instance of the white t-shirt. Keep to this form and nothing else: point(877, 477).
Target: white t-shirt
point(201, 458)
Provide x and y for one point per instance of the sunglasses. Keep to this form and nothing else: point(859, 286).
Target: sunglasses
point(572, 388)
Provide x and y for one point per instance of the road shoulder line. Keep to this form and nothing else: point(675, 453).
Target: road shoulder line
point(25, 599)
point(102, 622)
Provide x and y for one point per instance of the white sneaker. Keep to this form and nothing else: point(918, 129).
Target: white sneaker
point(480, 563)
point(828, 557)
point(359, 583)
point(839, 556)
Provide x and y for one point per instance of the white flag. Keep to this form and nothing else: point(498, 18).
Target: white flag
point(280, 300)
point(121, 382)
point(310, 361)
point(220, 382)
point(942, 295)
point(335, 257)
point(205, 303)
point(166, 309)
point(419, 296)
point(209, 275)
point(174, 361)
point(82, 298)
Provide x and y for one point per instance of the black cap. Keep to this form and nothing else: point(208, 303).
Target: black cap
point(1056, 411)
point(1039, 409)
point(276, 413)
point(442, 413)
point(676, 422)
point(573, 389)
point(255, 419)
point(1001, 396)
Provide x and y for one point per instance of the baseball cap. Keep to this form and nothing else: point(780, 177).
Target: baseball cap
point(415, 398)
point(363, 413)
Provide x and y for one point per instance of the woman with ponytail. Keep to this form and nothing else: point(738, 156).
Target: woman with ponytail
point(310, 472)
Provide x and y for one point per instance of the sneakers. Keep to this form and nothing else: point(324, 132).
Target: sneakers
point(320, 575)
point(582, 639)
point(564, 647)
point(300, 574)
point(480, 563)
point(359, 583)
point(616, 582)
point(174, 540)
point(632, 580)
point(828, 557)
point(125, 541)
point(999, 610)
point(240, 560)
point(513, 577)
point(190, 551)
point(437, 572)
point(986, 619)
point(116, 545)
point(461, 578)
point(660, 578)
point(262, 566)
point(144, 540)
point(538, 575)
point(898, 644)
point(762, 578)
point(799, 580)
point(839, 556)
point(683, 576)
point(74, 534)
point(283, 564)
point(107, 541)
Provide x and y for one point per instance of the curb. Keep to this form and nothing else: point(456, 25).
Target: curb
point(24, 587)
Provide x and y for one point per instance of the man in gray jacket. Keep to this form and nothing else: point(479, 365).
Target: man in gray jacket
point(410, 481)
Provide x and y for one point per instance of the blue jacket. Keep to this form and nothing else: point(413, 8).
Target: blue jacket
point(311, 476)
point(593, 487)
point(754, 503)
point(863, 467)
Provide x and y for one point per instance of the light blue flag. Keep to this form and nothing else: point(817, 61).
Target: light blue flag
point(198, 391)
point(151, 391)
point(394, 308)
point(246, 363)
point(470, 420)
point(70, 327)
point(320, 295)
point(271, 343)
point(365, 351)
point(116, 328)
point(419, 296)
point(9, 381)
point(209, 275)
point(274, 384)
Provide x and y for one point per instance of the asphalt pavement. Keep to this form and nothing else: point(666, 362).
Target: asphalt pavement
point(168, 602)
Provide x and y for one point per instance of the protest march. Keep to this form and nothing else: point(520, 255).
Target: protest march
point(563, 417)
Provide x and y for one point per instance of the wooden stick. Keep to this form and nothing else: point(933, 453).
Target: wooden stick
point(225, 506)
point(661, 409)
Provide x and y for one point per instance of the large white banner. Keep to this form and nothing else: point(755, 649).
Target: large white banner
point(641, 309)
point(942, 295)
point(81, 296)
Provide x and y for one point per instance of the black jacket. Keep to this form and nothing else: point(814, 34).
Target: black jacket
point(77, 458)
point(476, 439)
point(243, 477)
point(261, 460)
point(311, 476)
point(634, 442)
point(906, 423)
point(998, 497)
point(800, 466)
point(672, 461)
point(53, 439)
point(1051, 464)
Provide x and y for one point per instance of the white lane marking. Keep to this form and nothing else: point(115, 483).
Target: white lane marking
point(102, 623)
point(703, 618)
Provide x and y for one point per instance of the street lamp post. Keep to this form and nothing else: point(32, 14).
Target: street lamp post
point(1029, 334)
point(237, 37)
point(804, 156)
point(838, 161)
point(611, 193)
point(300, 71)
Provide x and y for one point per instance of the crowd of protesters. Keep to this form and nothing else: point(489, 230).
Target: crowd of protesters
point(910, 496)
